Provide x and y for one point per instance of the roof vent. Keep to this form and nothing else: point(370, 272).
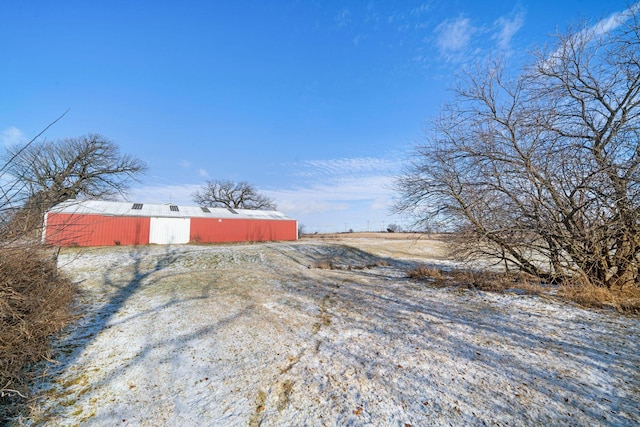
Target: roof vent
point(137, 206)
point(205, 210)
point(173, 208)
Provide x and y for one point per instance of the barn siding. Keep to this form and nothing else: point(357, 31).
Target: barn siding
point(95, 230)
point(207, 230)
point(165, 231)
point(100, 223)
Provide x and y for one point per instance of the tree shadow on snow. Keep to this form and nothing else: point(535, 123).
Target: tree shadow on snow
point(380, 325)
point(486, 340)
point(117, 288)
point(144, 268)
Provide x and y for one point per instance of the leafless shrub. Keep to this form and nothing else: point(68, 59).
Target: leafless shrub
point(542, 170)
point(35, 303)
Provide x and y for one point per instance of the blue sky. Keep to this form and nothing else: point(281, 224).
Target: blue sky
point(317, 103)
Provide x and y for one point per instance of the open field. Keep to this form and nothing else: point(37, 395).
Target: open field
point(257, 334)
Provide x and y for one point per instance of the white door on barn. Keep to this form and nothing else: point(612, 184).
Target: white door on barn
point(165, 231)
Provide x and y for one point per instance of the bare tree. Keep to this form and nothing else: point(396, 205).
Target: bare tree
point(543, 168)
point(44, 174)
point(233, 195)
point(394, 228)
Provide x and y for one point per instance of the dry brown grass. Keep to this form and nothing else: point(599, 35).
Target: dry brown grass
point(582, 292)
point(482, 280)
point(325, 265)
point(624, 299)
point(330, 265)
point(35, 303)
point(426, 273)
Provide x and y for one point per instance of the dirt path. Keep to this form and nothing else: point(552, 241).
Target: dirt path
point(257, 335)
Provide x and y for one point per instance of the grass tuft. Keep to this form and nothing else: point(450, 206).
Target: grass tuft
point(625, 299)
point(325, 265)
point(424, 272)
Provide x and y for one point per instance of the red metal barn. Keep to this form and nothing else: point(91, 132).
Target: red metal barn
point(103, 223)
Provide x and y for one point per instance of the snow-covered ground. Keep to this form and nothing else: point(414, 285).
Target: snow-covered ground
point(256, 335)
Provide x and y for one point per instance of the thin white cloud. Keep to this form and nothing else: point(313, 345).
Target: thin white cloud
point(453, 37)
point(179, 194)
point(615, 20)
point(601, 28)
point(327, 193)
point(339, 185)
point(12, 136)
point(343, 18)
point(343, 166)
point(384, 202)
point(294, 204)
point(423, 8)
point(185, 164)
point(338, 195)
point(506, 27)
point(395, 17)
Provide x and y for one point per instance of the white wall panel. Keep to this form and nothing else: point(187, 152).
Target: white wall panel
point(169, 230)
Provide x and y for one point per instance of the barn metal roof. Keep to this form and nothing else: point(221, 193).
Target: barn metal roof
point(103, 207)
